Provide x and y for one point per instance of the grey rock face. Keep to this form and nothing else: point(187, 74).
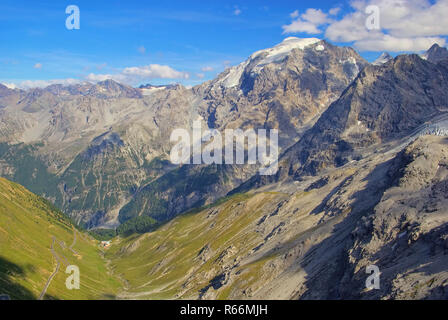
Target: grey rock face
point(436, 54)
point(384, 103)
point(278, 89)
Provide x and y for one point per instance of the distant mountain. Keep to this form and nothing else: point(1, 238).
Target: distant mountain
point(385, 102)
point(112, 89)
point(9, 96)
point(150, 86)
point(4, 90)
point(382, 59)
point(284, 87)
point(436, 53)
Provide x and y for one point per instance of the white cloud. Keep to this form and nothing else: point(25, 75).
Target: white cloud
point(391, 43)
point(237, 11)
point(350, 28)
point(301, 26)
point(200, 75)
point(130, 76)
point(405, 25)
point(38, 66)
point(315, 16)
point(28, 84)
point(133, 75)
point(308, 22)
point(207, 69)
point(155, 71)
point(92, 77)
point(334, 11)
point(294, 14)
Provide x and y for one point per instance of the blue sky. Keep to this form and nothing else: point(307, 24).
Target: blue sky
point(197, 39)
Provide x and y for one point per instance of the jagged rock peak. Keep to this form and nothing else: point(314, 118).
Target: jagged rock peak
point(436, 53)
point(382, 59)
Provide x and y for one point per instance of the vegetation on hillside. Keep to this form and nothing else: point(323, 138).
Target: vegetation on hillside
point(28, 224)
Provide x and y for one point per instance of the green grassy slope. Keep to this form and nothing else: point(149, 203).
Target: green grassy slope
point(28, 224)
point(180, 259)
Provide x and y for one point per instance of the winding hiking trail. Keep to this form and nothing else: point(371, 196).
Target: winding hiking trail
point(58, 260)
point(55, 271)
point(74, 242)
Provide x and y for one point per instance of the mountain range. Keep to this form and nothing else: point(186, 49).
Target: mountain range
point(362, 176)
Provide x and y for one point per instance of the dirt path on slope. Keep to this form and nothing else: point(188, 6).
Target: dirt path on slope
point(44, 291)
point(58, 260)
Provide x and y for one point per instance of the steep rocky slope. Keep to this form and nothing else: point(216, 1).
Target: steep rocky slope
point(382, 104)
point(311, 240)
point(364, 186)
point(436, 54)
point(281, 87)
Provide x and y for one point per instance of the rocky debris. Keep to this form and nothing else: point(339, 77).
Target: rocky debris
point(216, 283)
point(406, 242)
point(205, 253)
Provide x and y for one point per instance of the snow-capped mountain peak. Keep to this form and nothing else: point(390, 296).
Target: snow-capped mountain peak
point(266, 56)
point(382, 59)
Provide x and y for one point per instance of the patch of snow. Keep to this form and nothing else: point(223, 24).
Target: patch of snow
point(382, 59)
point(266, 56)
point(280, 51)
point(232, 79)
point(352, 61)
point(286, 46)
point(320, 48)
point(147, 92)
point(10, 85)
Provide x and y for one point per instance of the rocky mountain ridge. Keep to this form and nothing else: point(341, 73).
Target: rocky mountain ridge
point(285, 87)
point(61, 130)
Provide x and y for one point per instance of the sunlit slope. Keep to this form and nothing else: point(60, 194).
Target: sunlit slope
point(195, 252)
point(28, 225)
